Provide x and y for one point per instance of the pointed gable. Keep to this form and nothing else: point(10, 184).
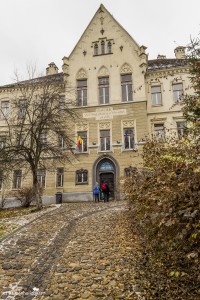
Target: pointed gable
point(102, 31)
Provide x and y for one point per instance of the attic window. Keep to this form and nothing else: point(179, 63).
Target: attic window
point(96, 49)
point(109, 47)
point(102, 47)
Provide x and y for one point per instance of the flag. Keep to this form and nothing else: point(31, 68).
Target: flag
point(79, 141)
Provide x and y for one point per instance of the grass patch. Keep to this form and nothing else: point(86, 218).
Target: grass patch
point(16, 211)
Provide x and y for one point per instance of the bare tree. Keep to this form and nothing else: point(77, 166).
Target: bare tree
point(38, 128)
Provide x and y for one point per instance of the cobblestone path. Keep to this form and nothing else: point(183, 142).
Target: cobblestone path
point(73, 252)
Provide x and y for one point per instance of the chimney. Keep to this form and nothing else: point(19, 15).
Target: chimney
point(52, 69)
point(161, 56)
point(180, 52)
point(65, 66)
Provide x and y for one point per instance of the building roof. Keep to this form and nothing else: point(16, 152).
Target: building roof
point(39, 80)
point(160, 64)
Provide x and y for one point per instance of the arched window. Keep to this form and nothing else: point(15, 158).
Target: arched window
point(102, 47)
point(109, 47)
point(96, 50)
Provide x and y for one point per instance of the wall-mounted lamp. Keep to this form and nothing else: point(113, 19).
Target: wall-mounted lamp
point(121, 48)
point(93, 143)
point(118, 142)
point(84, 53)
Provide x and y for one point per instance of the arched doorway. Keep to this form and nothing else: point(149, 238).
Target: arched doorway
point(106, 169)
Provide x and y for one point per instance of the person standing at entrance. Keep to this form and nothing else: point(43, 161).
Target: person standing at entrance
point(96, 192)
point(105, 191)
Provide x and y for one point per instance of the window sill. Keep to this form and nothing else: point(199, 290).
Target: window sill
point(155, 105)
point(130, 149)
point(105, 151)
point(100, 54)
point(86, 152)
point(81, 183)
point(127, 101)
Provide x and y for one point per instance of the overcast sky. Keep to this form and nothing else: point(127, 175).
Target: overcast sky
point(41, 31)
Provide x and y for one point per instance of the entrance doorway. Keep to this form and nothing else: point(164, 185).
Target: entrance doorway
point(109, 179)
point(105, 170)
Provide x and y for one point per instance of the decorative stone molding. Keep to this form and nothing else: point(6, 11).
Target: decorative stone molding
point(81, 127)
point(81, 74)
point(128, 123)
point(126, 68)
point(166, 73)
point(105, 125)
point(103, 71)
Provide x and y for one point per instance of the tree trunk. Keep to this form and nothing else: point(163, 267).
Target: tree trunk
point(36, 191)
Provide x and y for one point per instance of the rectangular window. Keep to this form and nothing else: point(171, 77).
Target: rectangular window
point(104, 90)
point(81, 176)
point(20, 138)
point(59, 177)
point(82, 92)
point(1, 180)
point(129, 138)
point(22, 108)
point(41, 176)
point(43, 138)
point(159, 132)
point(181, 129)
point(104, 140)
point(82, 141)
point(126, 83)
point(61, 140)
point(156, 95)
point(2, 142)
point(4, 109)
point(17, 179)
point(177, 92)
point(62, 103)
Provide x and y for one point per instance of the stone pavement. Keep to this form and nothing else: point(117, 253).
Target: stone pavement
point(78, 251)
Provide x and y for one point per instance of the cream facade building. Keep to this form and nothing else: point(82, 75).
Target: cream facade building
point(122, 97)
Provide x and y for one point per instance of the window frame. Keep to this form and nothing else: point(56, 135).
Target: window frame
point(1, 180)
point(181, 128)
point(17, 179)
point(83, 147)
point(61, 103)
point(127, 84)
point(159, 134)
point(43, 138)
point(60, 177)
point(22, 108)
point(109, 47)
point(177, 93)
point(5, 109)
point(83, 175)
point(96, 49)
point(81, 92)
point(41, 177)
point(2, 141)
point(105, 140)
point(131, 138)
point(156, 97)
point(103, 90)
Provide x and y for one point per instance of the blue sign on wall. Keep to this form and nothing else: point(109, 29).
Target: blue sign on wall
point(106, 166)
